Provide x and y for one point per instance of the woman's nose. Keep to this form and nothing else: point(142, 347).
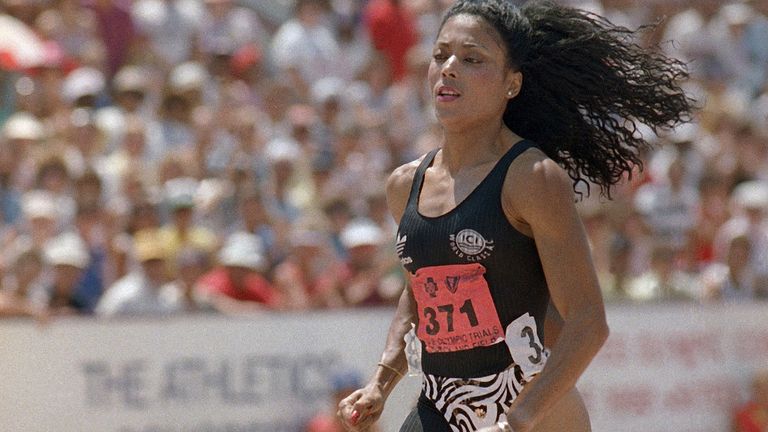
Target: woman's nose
point(449, 67)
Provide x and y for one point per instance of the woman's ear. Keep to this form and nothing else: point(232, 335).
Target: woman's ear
point(515, 83)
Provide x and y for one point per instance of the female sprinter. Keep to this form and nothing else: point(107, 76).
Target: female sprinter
point(532, 102)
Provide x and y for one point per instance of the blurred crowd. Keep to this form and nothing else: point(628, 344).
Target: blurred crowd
point(164, 156)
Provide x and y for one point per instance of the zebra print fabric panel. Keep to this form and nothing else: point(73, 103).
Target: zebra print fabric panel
point(469, 404)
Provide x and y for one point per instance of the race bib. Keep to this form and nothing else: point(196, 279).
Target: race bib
point(455, 307)
point(525, 347)
point(413, 352)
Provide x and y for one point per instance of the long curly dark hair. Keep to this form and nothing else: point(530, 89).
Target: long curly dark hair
point(587, 86)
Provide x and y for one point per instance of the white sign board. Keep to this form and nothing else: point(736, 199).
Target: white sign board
point(666, 368)
point(675, 367)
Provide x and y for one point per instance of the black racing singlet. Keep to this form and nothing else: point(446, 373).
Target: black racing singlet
point(472, 274)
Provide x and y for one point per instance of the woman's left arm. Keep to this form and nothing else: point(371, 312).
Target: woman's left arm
point(544, 202)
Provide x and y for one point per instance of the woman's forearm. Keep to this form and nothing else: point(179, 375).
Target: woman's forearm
point(581, 338)
point(393, 356)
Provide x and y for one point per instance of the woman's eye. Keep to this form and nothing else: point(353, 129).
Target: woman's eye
point(471, 60)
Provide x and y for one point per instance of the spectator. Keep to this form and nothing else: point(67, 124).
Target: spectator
point(355, 50)
point(256, 219)
point(131, 96)
point(662, 281)
point(130, 88)
point(172, 129)
point(115, 27)
point(734, 280)
point(228, 27)
point(364, 278)
point(311, 108)
point(668, 206)
point(284, 156)
point(132, 153)
point(303, 48)
point(54, 178)
point(22, 134)
point(41, 217)
point(392, 31)
point(85, 144)
point(339, 213)
point(298, 277)
point(168, 27)
point(68, 257)
point(753, 415)
point(21, 283)
point(182, 231)
point(191, 265)
point(140, 293)
point(84, 87)
point(237, 285)
point(71, 26)
point(92, 226)
point(142, 216)
point(10, 196)
point(749, 201)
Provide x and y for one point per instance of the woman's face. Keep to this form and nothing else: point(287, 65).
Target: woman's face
point(468, 74)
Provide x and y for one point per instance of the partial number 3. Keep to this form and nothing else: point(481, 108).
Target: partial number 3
point(524, 345)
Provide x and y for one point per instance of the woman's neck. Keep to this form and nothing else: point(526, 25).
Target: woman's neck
point(474, 147)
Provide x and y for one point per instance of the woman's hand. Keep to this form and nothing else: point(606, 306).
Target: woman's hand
point(361, 409)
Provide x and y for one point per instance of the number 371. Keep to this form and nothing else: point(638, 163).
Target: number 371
point(433, 324)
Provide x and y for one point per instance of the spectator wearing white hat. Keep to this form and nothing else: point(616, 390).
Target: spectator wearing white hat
point(284, 156)
point(22, 136)
point(237, 285)
point(68, 257)
point(366, 277)
point(84, 87)
point(132, 97)
point(130, 87)
point(41, 218)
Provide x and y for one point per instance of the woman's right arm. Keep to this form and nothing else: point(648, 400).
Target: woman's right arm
point(360, 410)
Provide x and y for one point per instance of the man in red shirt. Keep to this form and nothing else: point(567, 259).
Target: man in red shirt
point(753, 416)
point(236, 285)
point(392, 31)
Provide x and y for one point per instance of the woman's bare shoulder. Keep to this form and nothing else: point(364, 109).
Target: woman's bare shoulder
point(534, 175)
